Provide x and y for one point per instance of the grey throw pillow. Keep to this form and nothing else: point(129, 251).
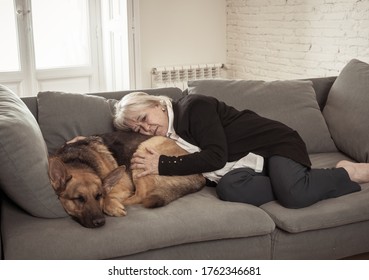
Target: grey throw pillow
point(62, 116)
point(290, 102)
point(347, 112)
point(24, 159)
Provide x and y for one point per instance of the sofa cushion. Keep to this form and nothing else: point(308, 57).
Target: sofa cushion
point(346, 110)
point(192, 219)
point(290, 102)
point(327, 213)
point(23, 159)
point(62, 116)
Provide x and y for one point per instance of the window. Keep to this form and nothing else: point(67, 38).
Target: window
point(61, 39)
point(116, 55)
point(9, 60)
point(65, 45)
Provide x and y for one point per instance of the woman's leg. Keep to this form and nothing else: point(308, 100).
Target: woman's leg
point(245, 185)
point(296, 186)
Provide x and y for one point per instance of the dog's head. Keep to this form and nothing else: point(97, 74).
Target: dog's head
point(81, 193)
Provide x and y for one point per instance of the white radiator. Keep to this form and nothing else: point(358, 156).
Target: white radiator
point(178, 76)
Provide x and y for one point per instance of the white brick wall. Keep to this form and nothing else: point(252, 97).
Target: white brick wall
point(288, 39)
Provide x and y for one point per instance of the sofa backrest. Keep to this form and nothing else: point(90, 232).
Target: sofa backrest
point(292, 102)
point(172, 92)
point(322, 87)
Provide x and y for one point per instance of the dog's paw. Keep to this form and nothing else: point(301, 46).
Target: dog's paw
point(115, 209)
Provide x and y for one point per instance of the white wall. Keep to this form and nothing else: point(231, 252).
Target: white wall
point(180, 32)
point(283, 39)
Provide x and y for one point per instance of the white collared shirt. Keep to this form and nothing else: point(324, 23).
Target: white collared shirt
point(251, 160)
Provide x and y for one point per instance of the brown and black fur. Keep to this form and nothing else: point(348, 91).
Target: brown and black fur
point(93, 176)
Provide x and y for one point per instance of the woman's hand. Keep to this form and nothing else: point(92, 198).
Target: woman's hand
point(147, 161)
point(75, 139)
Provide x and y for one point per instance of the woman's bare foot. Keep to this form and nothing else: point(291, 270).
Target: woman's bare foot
point(358, 172)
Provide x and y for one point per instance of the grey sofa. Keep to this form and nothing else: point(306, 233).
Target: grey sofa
point(330, 114)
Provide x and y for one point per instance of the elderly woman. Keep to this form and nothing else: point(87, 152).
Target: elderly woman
point(249, 158)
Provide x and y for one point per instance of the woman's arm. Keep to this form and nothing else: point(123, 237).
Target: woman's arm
point(198, 122)
point(75, 139)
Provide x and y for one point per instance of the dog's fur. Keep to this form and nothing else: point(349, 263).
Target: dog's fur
point(93, 176)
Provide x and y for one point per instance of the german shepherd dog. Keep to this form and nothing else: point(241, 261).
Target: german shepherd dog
point(93, 176)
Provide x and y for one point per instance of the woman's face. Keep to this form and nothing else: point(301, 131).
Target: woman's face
point(151, 121)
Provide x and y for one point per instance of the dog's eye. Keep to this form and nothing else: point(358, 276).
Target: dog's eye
point(81, 199)
point(98, 196)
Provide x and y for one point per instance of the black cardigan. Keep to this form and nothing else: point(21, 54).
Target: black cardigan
point(225, 134)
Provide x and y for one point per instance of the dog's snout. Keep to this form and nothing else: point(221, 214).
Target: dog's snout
point(98, 222)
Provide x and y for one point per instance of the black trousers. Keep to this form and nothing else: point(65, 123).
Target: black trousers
point(292, 184)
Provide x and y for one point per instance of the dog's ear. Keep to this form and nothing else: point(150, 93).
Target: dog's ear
point(113, 178)
point(58, 175)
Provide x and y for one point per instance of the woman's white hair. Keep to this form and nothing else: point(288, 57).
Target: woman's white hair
point(134, 103)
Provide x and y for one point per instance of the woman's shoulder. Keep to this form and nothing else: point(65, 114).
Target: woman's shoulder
point(198, 104)
point(197, 100)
